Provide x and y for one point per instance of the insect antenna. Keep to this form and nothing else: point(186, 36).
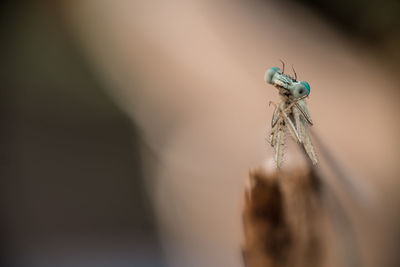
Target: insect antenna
point(283, 65)
point(295, 74)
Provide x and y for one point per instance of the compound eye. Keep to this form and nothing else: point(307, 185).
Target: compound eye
point(301, 90)
point(307, 88)
point(269, 74)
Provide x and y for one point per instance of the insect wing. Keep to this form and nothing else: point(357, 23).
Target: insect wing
point(302, 106)
point(301, 126)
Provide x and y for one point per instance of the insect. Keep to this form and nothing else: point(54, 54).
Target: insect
point(290, 113)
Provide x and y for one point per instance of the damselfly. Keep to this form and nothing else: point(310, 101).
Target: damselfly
point(290, 113)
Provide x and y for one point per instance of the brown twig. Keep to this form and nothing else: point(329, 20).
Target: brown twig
point(282, 220)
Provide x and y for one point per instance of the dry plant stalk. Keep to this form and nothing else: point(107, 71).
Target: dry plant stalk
point(282, 220)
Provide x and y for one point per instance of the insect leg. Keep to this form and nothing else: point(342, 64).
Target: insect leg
point(279, 145)
point(271, 139)
point(275, 114)
point(290, 126)
point(274, 131)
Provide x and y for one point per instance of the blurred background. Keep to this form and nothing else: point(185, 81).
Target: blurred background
point(129, 127)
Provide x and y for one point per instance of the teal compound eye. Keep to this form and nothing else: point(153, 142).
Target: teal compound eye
point(270, 74)
point(300, 90)
point(307, 87)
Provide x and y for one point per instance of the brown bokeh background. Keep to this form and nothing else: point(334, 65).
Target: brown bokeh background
point(129, 126)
